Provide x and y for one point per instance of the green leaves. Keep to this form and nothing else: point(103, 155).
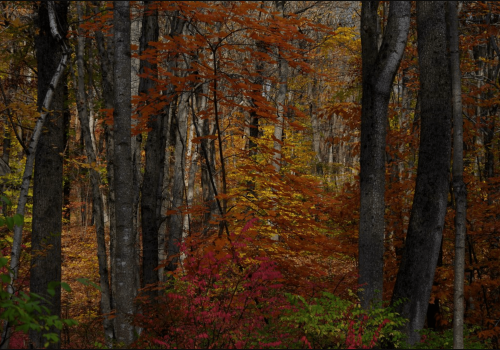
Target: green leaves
point(87, 282)
point(10, 221)
point(332, 322)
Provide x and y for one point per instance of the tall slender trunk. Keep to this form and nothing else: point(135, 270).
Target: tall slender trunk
point(280, 99)
point(189, 184)
point(123, 259)
point(105, 55)
point(175, 223)
point(315, 123)
point(162, 150)
point(459, 187)
point(136, 147)
point(379, 69)
point(48, 175)
point(423, 240)
point(95, 181)
point(207, 171)
point(155, 157)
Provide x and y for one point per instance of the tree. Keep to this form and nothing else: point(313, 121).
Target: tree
point(459, 187)
point(48, 174)
point(423, 241)
point(123, 259)
point(155, 154)
point(379, 69)
point(28, 170)
point(96, 183)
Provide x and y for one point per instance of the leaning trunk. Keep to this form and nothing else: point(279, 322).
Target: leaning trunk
point(420, 256)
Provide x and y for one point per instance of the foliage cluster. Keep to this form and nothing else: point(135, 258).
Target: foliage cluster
point(225, 299)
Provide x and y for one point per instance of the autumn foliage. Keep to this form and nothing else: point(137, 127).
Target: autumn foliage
point(270, 260)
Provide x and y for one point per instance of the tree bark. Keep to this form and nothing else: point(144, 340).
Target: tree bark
point(123, 259)
point(379, 69)
point(155, 157)
point(459, 187)
point(105, 55)
point(48, 174)
point(28, 169)
point(95, 180)
point(175, 223)
point(136, 147)
point(280, 101)
point(421, 252)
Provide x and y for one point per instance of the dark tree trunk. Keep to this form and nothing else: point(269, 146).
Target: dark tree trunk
point(123, 259)
point(421, 252)
point(105, 56)
point(66, 179)
point(155, 158)
point(379, 70)
point(207, 174)
point(48, 174)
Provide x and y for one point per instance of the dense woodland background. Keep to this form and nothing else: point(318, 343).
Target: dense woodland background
point(266, 174)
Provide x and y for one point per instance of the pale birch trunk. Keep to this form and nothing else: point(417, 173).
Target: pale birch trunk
point(175, 223)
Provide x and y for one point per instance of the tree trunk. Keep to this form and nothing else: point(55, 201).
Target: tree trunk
point(105, 54)
point(175, 223)
point(123, 259)
point(167, 139)
point(95, 180)
point(420, 256)
point(48, 174)
point(459, 187)
point(207, 172)
point(136, 147)
point(379, 70)
point(280, 100)
point(155, 158)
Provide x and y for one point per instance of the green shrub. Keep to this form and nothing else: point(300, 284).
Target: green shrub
point(331, 322)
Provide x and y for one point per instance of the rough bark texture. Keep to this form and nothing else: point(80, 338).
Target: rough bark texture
point(459, 187)
point(421, 251)
point(379, 70)
point(176, 24)
point(95, 180)
point(48, 174)
point(155, 157)
point(105, 55)
point(124, 251)
point(136, 146)
point(175, 223)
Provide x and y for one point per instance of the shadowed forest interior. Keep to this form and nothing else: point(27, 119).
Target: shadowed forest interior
point(261, 174)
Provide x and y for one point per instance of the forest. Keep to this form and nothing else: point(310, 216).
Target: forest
point(249, 174)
